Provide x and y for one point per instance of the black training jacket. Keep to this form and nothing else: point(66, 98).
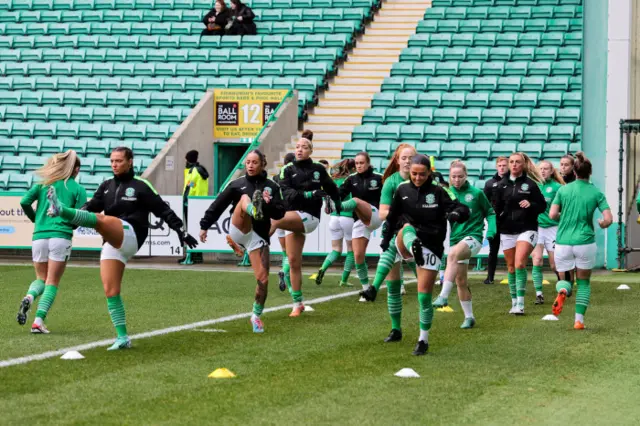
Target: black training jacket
point(513, 219)
point(569, 178)
point(426, 209)
point(490, 188)
point(366, 186)
point(131, 199)
point(231, 195)
point(299, 177)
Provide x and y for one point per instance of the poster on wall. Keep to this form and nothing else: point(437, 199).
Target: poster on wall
point(241, 113)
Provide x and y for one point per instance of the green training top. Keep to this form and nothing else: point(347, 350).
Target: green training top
point(578, 201)
point(479, 209)
point(389, 188)
point(339, 183)
point(72, 195)
point(549, 190)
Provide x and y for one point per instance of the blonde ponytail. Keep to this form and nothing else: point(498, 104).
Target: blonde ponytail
point(59, 167)
point(555, 175)
point(530, 168)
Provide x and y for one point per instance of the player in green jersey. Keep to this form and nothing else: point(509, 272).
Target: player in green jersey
point(52, 236)
point(574, 206)
point(547, 228)
point(389, 266)
point(465, 240)
point(340, 227)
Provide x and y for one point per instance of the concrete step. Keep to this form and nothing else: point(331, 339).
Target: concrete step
point(375, 25)
point(327, 154)
point(365, 57)
point(380, 39)
point(380, 53)
point(358, 81)
point(381, 46)
point(405, 3)
point(354, 66)
point(346, 105)
point(349, 88)
point(324, 145)
point(329, 110)
point(333, 128)
point(337, 120)
point(358, 97)
point(364, 74)
point(328, 137)
point(409, 19)
point(386, 32)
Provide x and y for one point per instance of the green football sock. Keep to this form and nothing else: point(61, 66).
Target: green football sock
point(426, 310)
point(296, 296)
point(285, 269)
point(363, 273)
point(348, 266)
point(79, 217)
point(328, 261)
point(414, 267)
point(394, 303)
point(36, 289)
point(521, 283)
point(385, 264)
point(257, 309)
point(116, 311)
point(511, 277)
point(583, 295)
point(250, 209)
point(408, 236)
point(536, 273)
point(46, 301)
point(349, 205)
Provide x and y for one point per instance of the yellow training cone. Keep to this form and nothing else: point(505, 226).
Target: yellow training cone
point(222, 373)
point(505, 281)
point(445, 309)
point(313, 277)
point(545, 282)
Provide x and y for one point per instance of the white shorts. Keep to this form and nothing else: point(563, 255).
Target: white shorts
point(280, 233)
point(340, 227)
point(474, 245)
point(570, 257)
point(360, 230)
point(547, 238)
point(56, 249)
point(249, 242)
point(509, 241)
point(128, 249)
point(309, 221)
point(431, 261)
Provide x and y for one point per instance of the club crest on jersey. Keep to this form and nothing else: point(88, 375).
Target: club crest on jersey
point(373, 184)
point(268, 189)
point(549, 189)
point(316, 176)
point(468, 198)
point(130, 192)
point(430, 199)
point(525, 187)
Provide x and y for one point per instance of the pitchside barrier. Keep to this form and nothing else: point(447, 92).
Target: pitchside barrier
point(16, 232)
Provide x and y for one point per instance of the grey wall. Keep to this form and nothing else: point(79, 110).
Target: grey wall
point(196, 132)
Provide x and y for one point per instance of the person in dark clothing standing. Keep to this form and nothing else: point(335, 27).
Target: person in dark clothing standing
point(490, 186)
point(243, 17)
point(216, 20)
point(566, 168)
point(518, 203)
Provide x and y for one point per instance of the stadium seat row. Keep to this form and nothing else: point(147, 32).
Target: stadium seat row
point(17, 129)
point(477, 100)
point(264, 15)
point(498, 25)
point(460, 150)
point(175, 28)
point(504, 12)
point(479, 84)
point(18, 182)
point(488, 133)
point(91, 115)
point(472, 3)
point(311, 54)
point(175, 42)
point(28, 163)
point(469, 116)
point(172, 4)
point(140, 84)
point(505, 39)
point(507, 54)
point(88, 147)
point(266, 69)
point(486, 68)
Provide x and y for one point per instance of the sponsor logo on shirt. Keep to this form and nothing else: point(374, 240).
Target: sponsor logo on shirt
point(468, 198)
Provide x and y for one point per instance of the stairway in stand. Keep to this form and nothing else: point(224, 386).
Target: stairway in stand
point(341, 107)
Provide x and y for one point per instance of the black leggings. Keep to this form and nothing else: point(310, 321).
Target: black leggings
point(494, 248)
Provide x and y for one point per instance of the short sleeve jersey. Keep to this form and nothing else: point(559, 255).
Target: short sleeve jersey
point(549, 190)
point(578, 202)
point(389, 188)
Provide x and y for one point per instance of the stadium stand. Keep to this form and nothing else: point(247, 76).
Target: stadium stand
point(480, 79)
point(94, 74)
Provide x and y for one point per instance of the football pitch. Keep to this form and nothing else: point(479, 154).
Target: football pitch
point(329, 366)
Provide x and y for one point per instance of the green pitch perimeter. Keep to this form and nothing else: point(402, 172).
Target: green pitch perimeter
point(327, 367)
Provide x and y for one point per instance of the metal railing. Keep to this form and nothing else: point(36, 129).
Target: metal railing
point(629, 144)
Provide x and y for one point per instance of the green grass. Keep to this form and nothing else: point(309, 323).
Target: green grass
point(327, 367)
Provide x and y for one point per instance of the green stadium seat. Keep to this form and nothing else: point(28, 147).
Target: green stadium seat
point(351, 149)
point(397, 115)
point(29, 147)
point(470, 116)
point(453, 150)
point(474, 168)
point(445, 116)
point(33, 163)
point(19, 182)
point(382, 99)
point(475, 100)
point(454, 100)
point(535, 133)
point(429, 148)
point(478, 150)
point(364, 132)
point(374, 116)
point(438, 133)
point(79, 146)
point(13, 164)
point(421, 116)
point(378, 149)
point(417, 84)
point(563, 133)
point(494, 116)
point(555, 149)
point(461, 134)
point(532, 149)
point(8, 147)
